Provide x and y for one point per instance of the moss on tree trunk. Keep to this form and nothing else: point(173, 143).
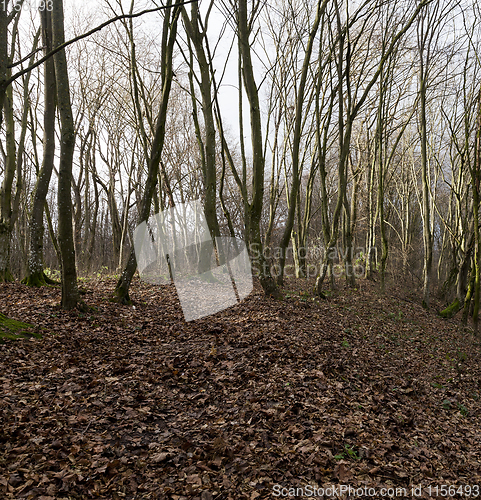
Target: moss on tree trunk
point(38, 279)
point(451, 310)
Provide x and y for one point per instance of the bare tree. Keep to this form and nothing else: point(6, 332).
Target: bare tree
point(169, 32)
point(36, 276)
point(70, 294)
point(244, 20)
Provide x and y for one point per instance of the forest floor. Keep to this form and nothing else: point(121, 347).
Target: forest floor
point(359, 390)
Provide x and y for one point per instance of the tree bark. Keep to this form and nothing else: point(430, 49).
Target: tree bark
point(169, 33)
point(197, 37)
point(296, 174)
point(427, 236)
point(36, 275)
point(9, 202)
point(4, 73)
point(476, 184)
point(70, 295)
point(254, 209)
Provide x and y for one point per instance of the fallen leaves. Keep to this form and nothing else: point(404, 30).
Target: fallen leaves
point(135, 403)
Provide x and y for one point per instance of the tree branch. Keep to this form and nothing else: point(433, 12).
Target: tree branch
point(85, 35)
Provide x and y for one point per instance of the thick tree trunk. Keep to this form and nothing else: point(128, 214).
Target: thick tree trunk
point(469, 296)
point(5, 235)
point(6, 219)
point(13, 148)
point(462, 280)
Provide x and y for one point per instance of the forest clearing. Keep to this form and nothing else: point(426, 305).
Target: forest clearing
point(130, 402)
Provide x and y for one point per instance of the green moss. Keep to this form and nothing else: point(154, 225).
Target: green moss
point(451, 310)
point(11, 329)
point(6, 276)
point(38, 279)
point(35, 279)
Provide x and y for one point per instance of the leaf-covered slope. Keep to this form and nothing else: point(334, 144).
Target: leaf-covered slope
point(135, 403)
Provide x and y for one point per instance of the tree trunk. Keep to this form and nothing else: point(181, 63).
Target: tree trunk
point(197, 37)
point(254, 210)
point(371, 217)
point(70, 295)
point(296, 167)
point(344, 131)
point(6, 222)
point(168, 39)
point(427, 236)
point(476, 181)
point(4, 60)
point(5, 235)
point(36, 275)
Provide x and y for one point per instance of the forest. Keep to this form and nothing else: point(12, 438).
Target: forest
point(321, 160)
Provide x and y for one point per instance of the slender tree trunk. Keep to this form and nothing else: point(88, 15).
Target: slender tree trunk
point(344, 131)
point(197, 37)
point(296, 170)
point(70, 295)
point(36, 275)
point(4, 60)
point(254, 210)
point(382, 224)
point(348, 252)
point(303, 224)
point(92, 232)
point(116, 224)
point(427, 236)
point(77, 222)
point(168, 39)
point(371, 217)
point(352, 219)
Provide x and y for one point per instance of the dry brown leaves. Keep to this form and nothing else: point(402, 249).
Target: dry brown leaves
point(131, 403)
